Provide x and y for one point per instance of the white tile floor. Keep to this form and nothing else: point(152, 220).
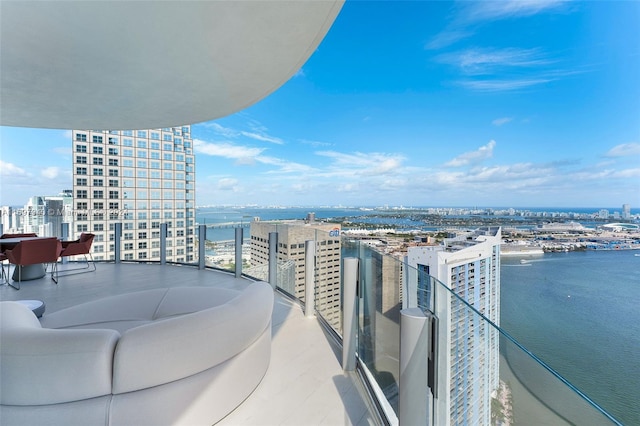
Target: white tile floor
point(304, 385)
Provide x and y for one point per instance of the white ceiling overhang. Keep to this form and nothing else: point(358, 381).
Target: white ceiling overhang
point(149, 64)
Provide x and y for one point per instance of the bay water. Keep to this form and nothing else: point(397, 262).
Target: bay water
point(579, 312)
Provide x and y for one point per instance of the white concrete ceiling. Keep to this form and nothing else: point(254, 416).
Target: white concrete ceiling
point(149, 64)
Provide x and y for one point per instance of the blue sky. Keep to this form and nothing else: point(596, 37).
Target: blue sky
point(422, 103)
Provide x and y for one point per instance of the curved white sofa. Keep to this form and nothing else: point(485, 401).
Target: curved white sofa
point(184, 355)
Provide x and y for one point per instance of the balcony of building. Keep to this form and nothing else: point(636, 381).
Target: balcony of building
point(389, 341)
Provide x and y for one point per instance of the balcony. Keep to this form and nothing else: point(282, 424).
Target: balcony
point(311, 378)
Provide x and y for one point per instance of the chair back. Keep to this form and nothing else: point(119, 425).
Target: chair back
point(81, 246)
point(29, 252)
point(18, 235)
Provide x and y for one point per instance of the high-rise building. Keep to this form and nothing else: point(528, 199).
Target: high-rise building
point(292, 236)
point(626, 211)
point(141, 178)
point(468, 366)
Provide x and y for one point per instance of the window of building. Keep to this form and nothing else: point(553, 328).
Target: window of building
point(82, 227)
point(113, 151)
point(113, 161)
point(97, 139)
point(98, 182)
point(141, 133)
point(81, 170)
point(81, 182)
point(113, 141)
point(142, 255)
point(81, 193)
point(142, 164)
point(142, 245)
point(82, 137)
point(97, 161)
point(127, 133)
point(141, 144)
point(128, 246)
point(81, 159)
point(81, 148)
point(114, 183)
point(155, 135)
point(97, 171)
point(97, 150)
point(114, 195)
point(127, 142)
point(98, 194)
point(81, 205)
point(142, 235)
point(113, 172)
point(127, 152)
point(98, 227)
point(98, 206)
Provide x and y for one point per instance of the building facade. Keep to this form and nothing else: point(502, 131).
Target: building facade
point(141, 178)
point(292, 236)
point(468, 362)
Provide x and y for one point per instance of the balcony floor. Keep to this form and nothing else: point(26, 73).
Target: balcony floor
point(304, 385)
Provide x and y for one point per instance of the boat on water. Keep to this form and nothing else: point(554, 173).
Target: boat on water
point(524, 261)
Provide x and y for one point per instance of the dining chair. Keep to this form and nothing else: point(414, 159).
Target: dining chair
point(32, 252)
point(81, 246)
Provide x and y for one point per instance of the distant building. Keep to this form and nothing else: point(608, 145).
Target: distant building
point(603, 214)
point(291, 247)
point(42, 215)
point(141, 178)
point(468, 374)
point(626, 211)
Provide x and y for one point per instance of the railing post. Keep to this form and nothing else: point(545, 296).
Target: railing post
point(163, 243)
point(202, 237)
point(349, 312)
point(117, 236)
point(273, 259)
point(239, 234)
point(413, 392)
point(1, 229)
point(309, 278)
point(64, 236)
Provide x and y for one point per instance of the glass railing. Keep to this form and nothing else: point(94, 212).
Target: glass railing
point(483, 375)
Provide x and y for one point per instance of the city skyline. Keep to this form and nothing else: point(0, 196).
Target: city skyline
point(420, 104)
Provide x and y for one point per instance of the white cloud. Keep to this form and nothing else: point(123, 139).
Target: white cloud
point(50, 172)
point(262, 137)
point(258, 132)
point(369, 164)
point(284, 166)
point(500, 121)
point(315, 144)
point(228, 184)
point(476, 156)
point(11, 170)
point(470, 15)
point(502, 85)
point(494, 10)
point(624, 150)
point(226, 150)
point(478, 61)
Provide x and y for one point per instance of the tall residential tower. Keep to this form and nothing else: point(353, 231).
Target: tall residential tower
point(468, 370)
point(141, 178)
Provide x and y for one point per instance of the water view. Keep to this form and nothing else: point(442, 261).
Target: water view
point(576, 311)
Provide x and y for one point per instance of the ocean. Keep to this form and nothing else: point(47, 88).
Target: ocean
point(578, 311)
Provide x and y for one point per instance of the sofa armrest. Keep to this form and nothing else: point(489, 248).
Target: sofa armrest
point(43, 366)
point(179, 347)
